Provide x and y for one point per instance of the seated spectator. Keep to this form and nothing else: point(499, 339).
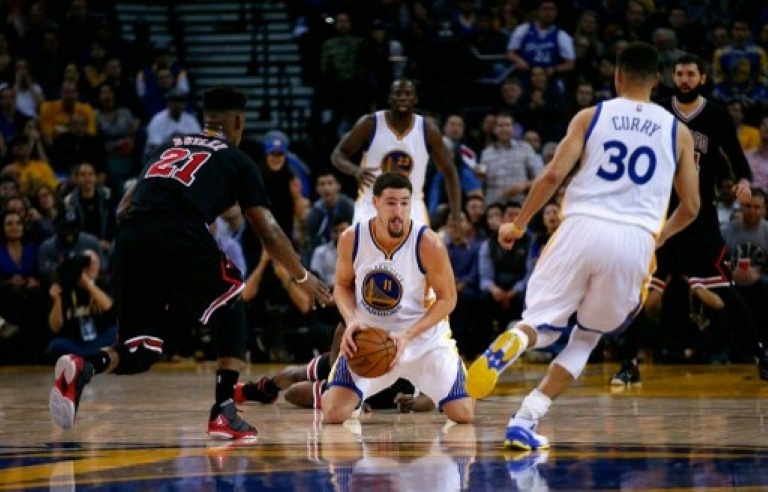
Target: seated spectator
point(550, 221)
point(72, 75)
point(9, 187)
point(153, 84)
point(117, 128)
point(68, 241)
point(740, 67)
point(749, 136)
point(278, 144)
point(463, 251)
point(56, 116)
point(727, 205)
point(324, 256)
point(474, 207)
point(93, 205)
point(81, 316)
point(331, 203)
point(12, 120)
point(20, 299)
point(758, 158)
point(503, 275)
point(78, 145)
point(545, 103)
point(747, 243)
point(46, 203)
point(29, 95)
point(510, 164)
point(171, 121)
point(30, 173)
point(36, 229)
point(37, 149)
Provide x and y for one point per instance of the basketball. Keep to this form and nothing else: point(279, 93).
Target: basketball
point(375, 352)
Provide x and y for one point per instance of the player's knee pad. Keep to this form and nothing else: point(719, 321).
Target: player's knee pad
point(575, 355)
point(137, 358)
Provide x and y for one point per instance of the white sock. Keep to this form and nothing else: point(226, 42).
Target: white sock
point(534, 406)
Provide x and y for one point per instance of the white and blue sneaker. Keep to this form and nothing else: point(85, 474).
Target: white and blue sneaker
point(484, 373)
point(521, 434)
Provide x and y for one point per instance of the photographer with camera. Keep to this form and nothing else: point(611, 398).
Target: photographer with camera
point(68, 240)
point(81, 317)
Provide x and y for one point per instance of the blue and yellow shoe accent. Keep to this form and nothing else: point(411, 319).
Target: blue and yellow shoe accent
point(520, 438)
point(484, 373)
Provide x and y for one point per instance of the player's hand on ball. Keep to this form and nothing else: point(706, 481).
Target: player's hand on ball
point(401, 339)
point(348, 347)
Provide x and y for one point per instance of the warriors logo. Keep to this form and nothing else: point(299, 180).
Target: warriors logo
point(397, 161)
point(381, 292)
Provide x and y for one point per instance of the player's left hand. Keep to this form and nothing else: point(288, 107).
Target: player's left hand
point(321, 294)
point(404, 402)
point(742, 190)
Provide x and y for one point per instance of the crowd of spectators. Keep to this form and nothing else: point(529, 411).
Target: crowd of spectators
point(80, 107)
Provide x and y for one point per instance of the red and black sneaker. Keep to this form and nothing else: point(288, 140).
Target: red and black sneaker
point(71, 374)
point(225, 423)
point(259, 391)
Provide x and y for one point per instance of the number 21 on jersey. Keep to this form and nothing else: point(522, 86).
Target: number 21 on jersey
point(178, 163)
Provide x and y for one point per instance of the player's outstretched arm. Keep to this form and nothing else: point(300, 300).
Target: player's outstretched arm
point(349, 145)
point(281, 250)
point(549, 180)
point(686, 186)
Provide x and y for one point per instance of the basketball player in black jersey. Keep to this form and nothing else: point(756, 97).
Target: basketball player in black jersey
point(697, 253)
point(167, 261)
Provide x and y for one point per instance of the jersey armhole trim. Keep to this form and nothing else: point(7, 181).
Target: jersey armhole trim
point(357, 242)
point(369, 141)
point(592, 123)
point(418, 255)
point(426, 137)
point(674, 143)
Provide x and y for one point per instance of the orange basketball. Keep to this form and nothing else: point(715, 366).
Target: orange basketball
point(375, 352)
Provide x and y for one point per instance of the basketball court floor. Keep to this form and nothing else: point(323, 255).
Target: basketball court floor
point(685, 428)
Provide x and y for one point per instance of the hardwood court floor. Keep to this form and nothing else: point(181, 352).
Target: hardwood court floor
point(686, 428)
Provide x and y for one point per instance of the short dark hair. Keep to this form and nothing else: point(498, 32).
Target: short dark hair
point(224, 98)
point(638, 60)
point(689, 59)
point(391, 180)
point(341, 219)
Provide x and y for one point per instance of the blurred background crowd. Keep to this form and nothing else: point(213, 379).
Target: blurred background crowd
point(86, 93)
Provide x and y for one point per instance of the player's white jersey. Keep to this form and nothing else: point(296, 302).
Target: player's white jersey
point(407, 154)
point(391, 289)
point(628, 165)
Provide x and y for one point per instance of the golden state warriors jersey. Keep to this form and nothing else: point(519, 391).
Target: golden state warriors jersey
point(391, 289)
point(407, 154)
point(628, 165)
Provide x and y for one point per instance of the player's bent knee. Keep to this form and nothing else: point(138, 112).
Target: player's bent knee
point(137, 361)
point(336, 415)
point(575, 355)
point(460, 411)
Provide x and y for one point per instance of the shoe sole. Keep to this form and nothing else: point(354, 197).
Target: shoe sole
point(619, 382)
point(521, 445)
point(230, 437)
point(62, 408)
point(481, 378)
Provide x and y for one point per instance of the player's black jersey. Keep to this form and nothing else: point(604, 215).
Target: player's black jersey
point(717, 153)
point(197, 176)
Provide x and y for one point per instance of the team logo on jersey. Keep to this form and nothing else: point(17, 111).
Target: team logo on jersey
point(397, 161)
point(382, 290)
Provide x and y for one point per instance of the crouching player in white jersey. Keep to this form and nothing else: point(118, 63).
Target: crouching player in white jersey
point(630, 152)
point(394, 273)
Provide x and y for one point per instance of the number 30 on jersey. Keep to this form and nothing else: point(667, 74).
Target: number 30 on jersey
point(640, 165)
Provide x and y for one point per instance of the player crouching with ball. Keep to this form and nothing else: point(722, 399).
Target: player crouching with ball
point(384, 267)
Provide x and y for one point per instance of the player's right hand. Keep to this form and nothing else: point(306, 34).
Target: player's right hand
point(365, 177)
point(321, 294)
point(508, 234)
